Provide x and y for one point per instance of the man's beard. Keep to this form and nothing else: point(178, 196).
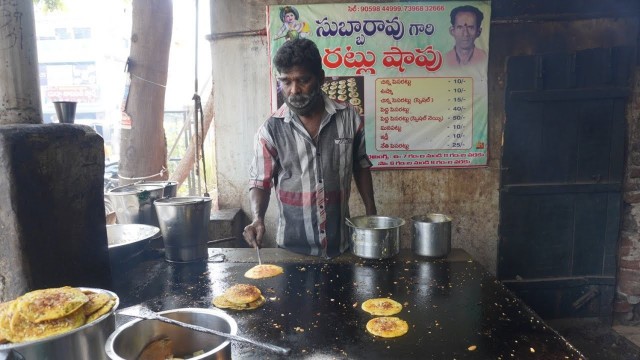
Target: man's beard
point(304, 104)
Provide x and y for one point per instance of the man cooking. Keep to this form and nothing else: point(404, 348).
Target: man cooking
point(308, 151)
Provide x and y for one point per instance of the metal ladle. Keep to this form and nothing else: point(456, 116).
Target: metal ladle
point(143, 312)
point(349, 223)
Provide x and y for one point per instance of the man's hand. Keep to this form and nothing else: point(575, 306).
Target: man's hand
point(254, 232)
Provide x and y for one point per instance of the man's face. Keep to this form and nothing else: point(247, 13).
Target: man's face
point(465, 30)
point(301, 89)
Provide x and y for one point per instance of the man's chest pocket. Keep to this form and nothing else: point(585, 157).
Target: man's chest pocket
point(342, 153)
point(343, 141)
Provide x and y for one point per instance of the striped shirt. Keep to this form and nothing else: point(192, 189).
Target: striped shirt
point(312, 181)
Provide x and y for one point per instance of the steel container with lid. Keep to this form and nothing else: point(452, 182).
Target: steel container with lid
point(184, 223)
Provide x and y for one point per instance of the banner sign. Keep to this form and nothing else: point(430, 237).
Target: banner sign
point(86, 94)
point(415, 71)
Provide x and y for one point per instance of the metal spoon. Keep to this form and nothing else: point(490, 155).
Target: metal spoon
point(143, 312)
point(259, 260)
point(348, 221)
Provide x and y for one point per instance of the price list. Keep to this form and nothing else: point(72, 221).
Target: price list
point(419, 114)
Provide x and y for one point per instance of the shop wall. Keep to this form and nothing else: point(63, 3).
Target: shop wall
point(242, 89)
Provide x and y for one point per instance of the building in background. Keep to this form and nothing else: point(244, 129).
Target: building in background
point(81, 53)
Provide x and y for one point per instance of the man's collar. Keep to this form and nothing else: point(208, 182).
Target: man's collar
point(330, 106)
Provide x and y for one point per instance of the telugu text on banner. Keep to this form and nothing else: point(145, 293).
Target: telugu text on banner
point(416, 72)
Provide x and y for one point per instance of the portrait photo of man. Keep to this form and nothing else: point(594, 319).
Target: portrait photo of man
point(466, 27)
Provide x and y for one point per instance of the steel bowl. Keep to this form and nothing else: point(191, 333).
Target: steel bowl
point(131, 338)
point(128, 240)
point(85, 342)
point(375, 237)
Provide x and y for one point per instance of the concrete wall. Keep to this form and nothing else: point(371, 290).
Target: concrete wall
point(628, 291)
point(242, 91)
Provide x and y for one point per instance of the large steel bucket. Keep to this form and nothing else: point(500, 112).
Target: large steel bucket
point(133, 203)
point(184, 223)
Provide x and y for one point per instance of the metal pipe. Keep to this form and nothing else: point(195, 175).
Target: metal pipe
point(231, 34)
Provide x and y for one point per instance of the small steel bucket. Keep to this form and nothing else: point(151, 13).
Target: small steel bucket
point(431, 235)
point(133, 203)
point(184, 223)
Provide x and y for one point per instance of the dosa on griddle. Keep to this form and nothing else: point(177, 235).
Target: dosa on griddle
point(240, 297)
point(382, 306)
point(222, 303)
point(263, 271)
point(242, 293)
point(387, 326)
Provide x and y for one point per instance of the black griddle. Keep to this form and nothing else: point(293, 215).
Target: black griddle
point(455, 310)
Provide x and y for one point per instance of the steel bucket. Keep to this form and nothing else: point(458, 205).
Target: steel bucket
point(170, 187)
point(431, 235)
point(184, 223)
point(85, 342)
point(375, 237)
point(133, 203)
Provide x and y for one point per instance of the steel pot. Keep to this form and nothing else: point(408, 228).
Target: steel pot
point(85, 342)
point(431, 235)
point(375, 237)
point(133, 203)
point(170, 187)
point(184, 223)
point(130, 339)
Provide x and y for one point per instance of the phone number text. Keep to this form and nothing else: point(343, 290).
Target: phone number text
point(395, 8)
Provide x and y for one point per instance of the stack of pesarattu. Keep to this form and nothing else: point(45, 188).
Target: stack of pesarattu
point(240, 297)
point(42, 313)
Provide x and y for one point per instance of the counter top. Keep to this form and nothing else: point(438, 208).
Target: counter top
point(455, 308)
